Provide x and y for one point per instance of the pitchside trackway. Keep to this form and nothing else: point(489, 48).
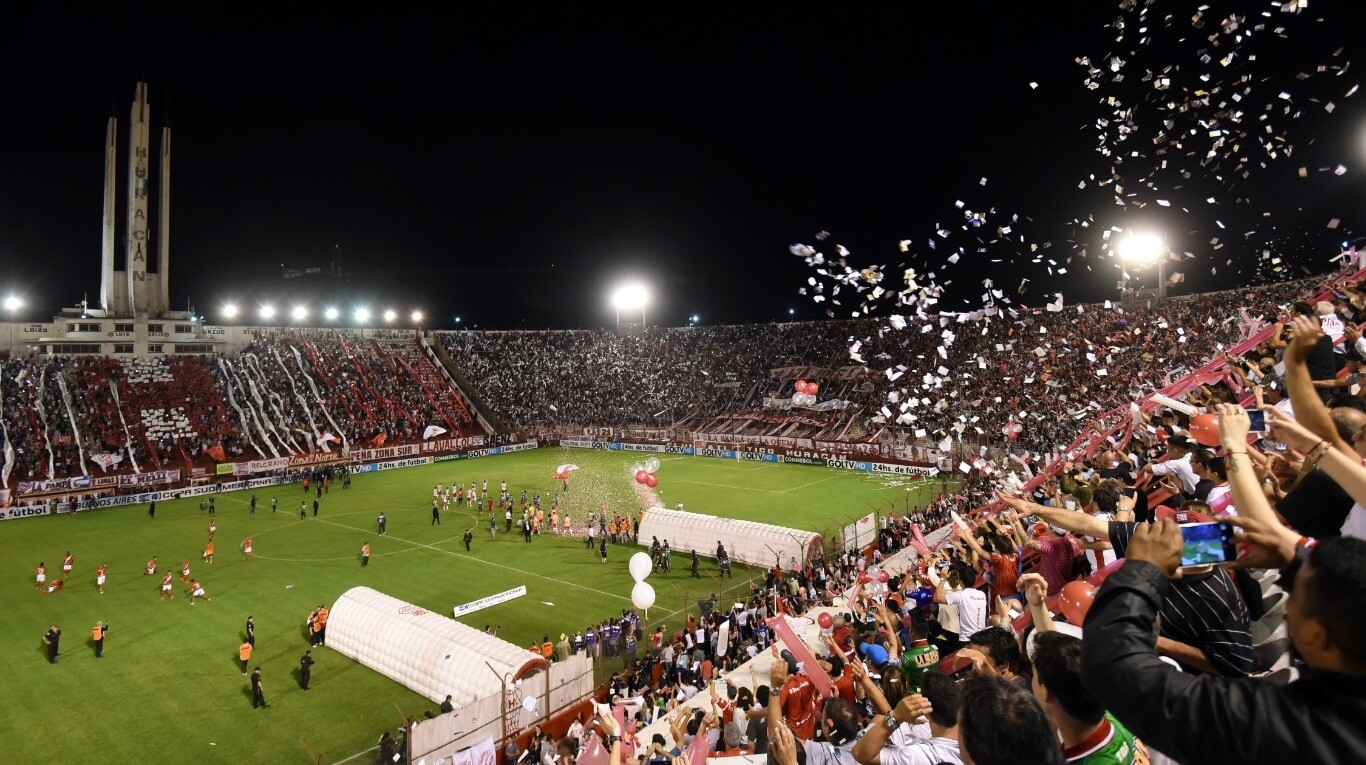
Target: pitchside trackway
point(170, 688)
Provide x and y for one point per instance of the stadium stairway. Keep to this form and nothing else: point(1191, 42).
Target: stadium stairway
point(456, 380)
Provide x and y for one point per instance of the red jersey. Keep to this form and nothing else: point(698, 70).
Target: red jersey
point(100, 571)
point(798, 699)
point(66, 562)
point(1006, 571)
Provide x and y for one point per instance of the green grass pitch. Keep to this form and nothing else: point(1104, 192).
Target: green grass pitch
point(169, 687)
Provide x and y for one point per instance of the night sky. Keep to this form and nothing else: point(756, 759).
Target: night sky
point(508, 163)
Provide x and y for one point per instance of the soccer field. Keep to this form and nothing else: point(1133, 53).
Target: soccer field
point(169, 687)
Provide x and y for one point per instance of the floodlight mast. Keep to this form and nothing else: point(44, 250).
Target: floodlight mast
point(1143, 250)
point(630, 297)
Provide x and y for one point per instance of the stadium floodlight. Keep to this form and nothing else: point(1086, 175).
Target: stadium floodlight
point(299, 313)
point(330, 313)
point(230, 310)
point(457, 320)
point(390, 314)
point(13, 303)
point(792, 312)
point(362, 315)
point(267, 312)
point(694, 319)
point(1143, 250)
point(630, 297)
point(416, 316)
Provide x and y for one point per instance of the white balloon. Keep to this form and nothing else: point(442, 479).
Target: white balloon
point(642, 595)
point(652, 465)
point(637, 467)
point(640, 566)
point(529, 703)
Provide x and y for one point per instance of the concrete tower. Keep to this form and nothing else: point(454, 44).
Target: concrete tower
point(113, 292)
point(136, 254)
point(163, 302)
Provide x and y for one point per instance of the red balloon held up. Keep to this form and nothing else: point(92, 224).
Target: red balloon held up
point(864, 577)
point(882, 576)
point(825, 620)
point(1075, 600)
point(641, 475)
point(651, 480)
point(1205, 429)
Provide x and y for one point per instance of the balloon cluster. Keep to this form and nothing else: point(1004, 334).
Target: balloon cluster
point(1204, 429)
point(562, 472)
point(645, 472)
point(642, 595)
point(806, 393)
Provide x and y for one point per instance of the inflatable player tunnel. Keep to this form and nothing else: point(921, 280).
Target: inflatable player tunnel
point(749, 542)
point(431, 654)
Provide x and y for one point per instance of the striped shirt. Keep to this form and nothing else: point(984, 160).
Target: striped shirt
point(1205, 611)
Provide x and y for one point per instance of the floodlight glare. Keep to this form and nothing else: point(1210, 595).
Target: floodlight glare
point(299, 313)
point(230, 310)
point(1140, 249)
point(362, 315)
point(630, 297)
point(390, 314)
point(13, 303)
point(330, 313)
point(416, 316)
point(267, 312)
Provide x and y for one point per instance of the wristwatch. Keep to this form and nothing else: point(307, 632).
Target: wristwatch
point(613, 740)
point(890, 722)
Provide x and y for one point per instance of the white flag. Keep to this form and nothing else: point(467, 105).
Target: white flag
point(432, 431)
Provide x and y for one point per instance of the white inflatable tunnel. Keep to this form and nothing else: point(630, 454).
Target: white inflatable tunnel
point(749, 542)
point(431, 654)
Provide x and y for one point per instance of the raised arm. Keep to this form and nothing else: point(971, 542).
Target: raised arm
point(1071, 520)
point(1309, 408)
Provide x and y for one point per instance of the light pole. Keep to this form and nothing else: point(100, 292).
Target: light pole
point(630, 297)
point(12, 305)
point(1143, 250)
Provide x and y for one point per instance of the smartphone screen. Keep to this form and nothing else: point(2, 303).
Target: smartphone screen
point(1256, 421)
point(1204, 544)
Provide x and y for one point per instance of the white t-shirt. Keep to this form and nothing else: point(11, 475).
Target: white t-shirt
point(924, 751)
point(821, 753)
point(972, 610)
point(1181, 469)
point(1355, 525)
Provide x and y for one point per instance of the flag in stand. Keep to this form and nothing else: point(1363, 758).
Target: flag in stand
point(216, 451)
point(432, 431)
point(322, 441)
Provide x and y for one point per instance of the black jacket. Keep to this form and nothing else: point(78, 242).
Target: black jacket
point(1320, 718)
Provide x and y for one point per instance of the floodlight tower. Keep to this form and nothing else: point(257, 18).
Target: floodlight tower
point(630, 297)
point(1143, 250)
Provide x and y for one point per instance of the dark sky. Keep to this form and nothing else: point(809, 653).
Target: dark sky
point(507, 162)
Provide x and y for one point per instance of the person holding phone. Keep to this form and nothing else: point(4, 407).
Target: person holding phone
point(1205, 622)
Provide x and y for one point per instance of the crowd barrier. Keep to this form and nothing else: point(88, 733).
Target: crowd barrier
point(757, 453)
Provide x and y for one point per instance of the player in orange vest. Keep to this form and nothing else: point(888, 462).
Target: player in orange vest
point(166, 587)
point(547, 647)
point(208, 551)
point(197, 591)
point(244, 653)
point(99, 576)
point(365, 554)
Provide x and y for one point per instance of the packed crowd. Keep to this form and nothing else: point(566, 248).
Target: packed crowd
point(62, 419)
point(1258, 629)
point(549, 378)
